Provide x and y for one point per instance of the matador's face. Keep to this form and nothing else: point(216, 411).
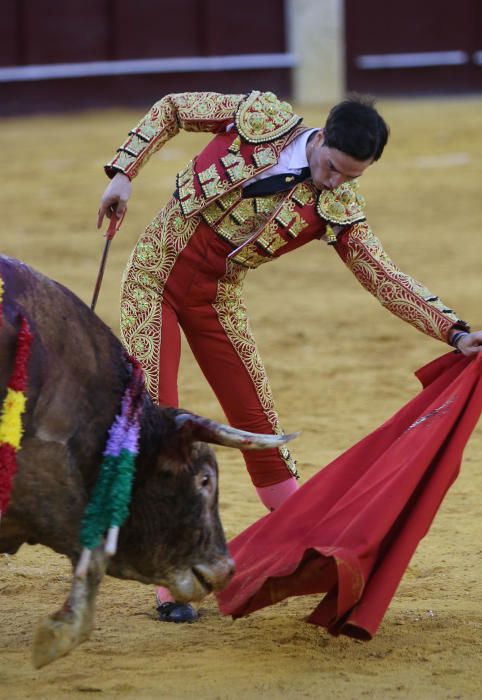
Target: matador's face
point(331, 167)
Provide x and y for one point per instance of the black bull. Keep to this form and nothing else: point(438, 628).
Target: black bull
point(77, 374)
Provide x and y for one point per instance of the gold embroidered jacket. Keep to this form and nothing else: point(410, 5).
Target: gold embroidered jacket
point(265, 228)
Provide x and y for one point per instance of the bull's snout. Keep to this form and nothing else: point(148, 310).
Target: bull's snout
point(200, 579)
point(215, 577)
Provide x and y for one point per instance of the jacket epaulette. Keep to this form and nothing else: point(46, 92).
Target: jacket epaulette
point(342, 206)
point(262, 117)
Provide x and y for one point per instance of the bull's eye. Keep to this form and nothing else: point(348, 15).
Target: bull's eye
point(206, 479)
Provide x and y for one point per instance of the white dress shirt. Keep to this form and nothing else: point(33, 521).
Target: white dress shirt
point(292, 158)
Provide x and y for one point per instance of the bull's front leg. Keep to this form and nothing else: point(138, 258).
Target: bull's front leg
point(60, 632)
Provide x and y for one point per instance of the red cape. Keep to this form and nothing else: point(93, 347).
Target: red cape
point(352, 529)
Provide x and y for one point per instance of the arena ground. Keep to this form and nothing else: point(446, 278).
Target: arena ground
point(339, 365)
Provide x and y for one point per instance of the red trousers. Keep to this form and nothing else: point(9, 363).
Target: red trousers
point(178, 277)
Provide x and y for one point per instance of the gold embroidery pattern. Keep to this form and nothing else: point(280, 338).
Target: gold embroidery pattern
point(256, 214)
point(218, 184)
point(229, 199)
point(245, 217)
point(236, 168)
point(343, 205)
point(143, 282)
point(191, 111)
point(243, 212)
point(270, 240)
point(265, 156)
point(304, 194)
point(213, 188)
point(209, 174)
point(232, 315)
point(399, 293)
point(189, 202)
point(291, 219)
point(216, 210)
point(262, 117)
point(235, 146)
point(250, 257)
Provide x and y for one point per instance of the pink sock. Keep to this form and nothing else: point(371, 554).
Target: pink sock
point(276, 494)
point(163, 595)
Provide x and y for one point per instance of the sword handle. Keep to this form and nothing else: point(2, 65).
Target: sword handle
point(114, 226)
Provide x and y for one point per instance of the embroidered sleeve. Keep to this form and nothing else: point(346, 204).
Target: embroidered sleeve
point(363, 253)
point(191, 111)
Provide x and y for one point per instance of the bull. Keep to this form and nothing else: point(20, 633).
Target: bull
point(77, 373)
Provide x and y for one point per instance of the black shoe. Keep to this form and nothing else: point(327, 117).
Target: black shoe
point(176, 612)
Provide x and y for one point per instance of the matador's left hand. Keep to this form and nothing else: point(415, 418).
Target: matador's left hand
point(470, 343)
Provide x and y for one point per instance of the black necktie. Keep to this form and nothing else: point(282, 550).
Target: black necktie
point(275, 183)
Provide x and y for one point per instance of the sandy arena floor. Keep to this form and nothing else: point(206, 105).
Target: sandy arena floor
point(339, 365)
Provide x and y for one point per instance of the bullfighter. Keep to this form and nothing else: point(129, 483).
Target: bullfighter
point(264, 185)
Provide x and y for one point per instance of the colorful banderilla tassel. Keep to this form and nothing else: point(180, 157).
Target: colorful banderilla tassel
point(109, 504)
point(11, 428)
point(1, 300)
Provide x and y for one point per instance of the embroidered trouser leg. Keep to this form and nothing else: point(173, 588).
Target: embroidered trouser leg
point(178, 276)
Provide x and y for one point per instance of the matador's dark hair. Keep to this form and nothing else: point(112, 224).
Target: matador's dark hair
point(356, 128)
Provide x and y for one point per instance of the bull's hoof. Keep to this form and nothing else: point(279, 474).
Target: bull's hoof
point(176, 612)
point(55, 637)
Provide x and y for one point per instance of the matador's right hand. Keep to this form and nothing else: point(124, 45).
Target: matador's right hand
point(115, 198)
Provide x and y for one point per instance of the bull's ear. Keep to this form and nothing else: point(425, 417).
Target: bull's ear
point(206, 430)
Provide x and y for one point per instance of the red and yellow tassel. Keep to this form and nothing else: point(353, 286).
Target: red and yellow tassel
point(11, 428)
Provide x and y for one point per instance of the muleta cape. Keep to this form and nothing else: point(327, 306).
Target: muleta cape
point(351, 530)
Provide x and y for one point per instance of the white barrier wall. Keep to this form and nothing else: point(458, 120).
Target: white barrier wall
point(315, 32)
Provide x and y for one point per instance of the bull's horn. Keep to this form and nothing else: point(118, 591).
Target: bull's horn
point(207, 430)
